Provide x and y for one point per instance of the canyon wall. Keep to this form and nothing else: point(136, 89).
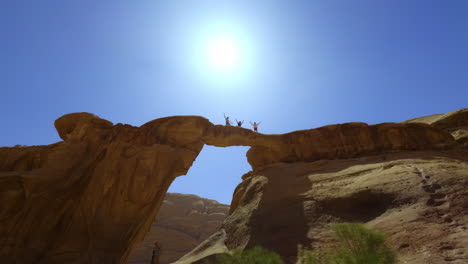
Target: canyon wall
point(183, 221)
point(92, 197)
point(419, 199)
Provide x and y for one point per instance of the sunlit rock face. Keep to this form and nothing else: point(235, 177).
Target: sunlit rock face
point(183, 222)
point(329, 142)
point(455, 122)
point(419, 199)
point(92, 197)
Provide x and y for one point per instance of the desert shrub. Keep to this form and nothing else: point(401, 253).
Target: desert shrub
point(357, 245)
point(256, 255)
point(360, 245)
point(305, 256)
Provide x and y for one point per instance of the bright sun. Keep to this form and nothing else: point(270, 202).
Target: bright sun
point(223, 53)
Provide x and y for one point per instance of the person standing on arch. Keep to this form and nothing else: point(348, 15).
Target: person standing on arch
point(239, 123)
point(156, 253)
point(255, 125)
point(226, 118)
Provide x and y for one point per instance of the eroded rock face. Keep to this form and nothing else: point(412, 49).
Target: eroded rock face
point(182, 223)
point(455, 122)
point(346, 141)
point(92, 197)
point(418, 198)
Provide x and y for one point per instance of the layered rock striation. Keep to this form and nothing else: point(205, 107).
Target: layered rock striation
point(92, 197)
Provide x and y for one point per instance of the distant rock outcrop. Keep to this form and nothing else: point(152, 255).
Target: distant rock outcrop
point(92, 197)
point(182, 223)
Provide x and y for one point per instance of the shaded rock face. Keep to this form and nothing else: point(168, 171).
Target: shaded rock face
point(182, 223)
point(418, 198)
point(92, 197)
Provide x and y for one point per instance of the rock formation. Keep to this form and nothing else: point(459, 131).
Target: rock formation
point(455, 122)
point(418, 198)
point(181, 224)
point(92, 197)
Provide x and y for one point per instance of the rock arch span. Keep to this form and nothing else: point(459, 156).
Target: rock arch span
point(91, 197)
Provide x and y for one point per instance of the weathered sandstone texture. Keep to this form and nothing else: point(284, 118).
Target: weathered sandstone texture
point(181, 224)
point(92, 197)
point(420, 199)
point(455, 122)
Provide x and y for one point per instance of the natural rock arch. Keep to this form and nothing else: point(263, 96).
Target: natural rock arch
point(92, 197)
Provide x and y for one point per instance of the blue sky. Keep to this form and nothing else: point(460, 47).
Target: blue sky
point(303, 64)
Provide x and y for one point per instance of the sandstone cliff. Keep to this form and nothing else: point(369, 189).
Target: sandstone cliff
point(455, 122)
point(92, 197)
point(182, 223)
point(418, 198)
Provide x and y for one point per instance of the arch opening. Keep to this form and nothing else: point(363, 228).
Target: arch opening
point(215, 173)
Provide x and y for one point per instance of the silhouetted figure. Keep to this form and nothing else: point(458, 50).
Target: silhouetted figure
point(239, 123)
point(156, 253)
point(255, 125)
point(228, 122)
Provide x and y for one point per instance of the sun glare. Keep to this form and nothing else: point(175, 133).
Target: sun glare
point(223, 53)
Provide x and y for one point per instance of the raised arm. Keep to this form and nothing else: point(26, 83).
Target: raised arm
point(259, 123)
point(251, 123)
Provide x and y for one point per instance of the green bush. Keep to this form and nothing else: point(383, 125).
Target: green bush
point(357, 245)
point(360, 245)
point(310, 257)
point(256, 255)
